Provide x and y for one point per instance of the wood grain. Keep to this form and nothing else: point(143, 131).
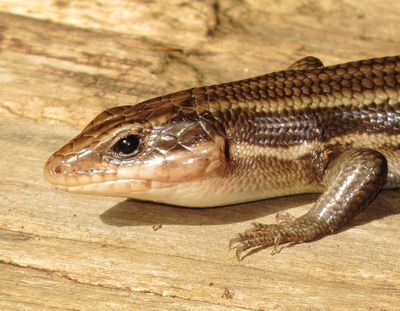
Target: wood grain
point(62, 62)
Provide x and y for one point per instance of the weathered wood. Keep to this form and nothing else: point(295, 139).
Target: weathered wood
point(36, 289)
point(64, 61)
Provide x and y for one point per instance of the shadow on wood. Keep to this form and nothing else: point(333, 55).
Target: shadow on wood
point(138, 213)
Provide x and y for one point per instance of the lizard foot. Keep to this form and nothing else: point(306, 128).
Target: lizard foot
point(287, 230)
point(354, 178)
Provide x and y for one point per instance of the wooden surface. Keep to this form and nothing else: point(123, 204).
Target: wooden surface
point(62, 62)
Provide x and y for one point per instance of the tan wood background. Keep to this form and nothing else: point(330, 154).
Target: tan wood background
point(64, 61)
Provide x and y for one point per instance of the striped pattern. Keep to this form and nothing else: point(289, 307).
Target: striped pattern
point(281, 129)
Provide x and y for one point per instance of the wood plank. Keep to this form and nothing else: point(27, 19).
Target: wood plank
point(62, 62)
point(36, 289)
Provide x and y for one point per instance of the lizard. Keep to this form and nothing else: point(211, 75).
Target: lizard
point(311, 128)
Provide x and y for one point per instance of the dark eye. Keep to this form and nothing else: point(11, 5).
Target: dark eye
point(127, 145)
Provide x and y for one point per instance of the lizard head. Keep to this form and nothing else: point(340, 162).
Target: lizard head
point(146, 151)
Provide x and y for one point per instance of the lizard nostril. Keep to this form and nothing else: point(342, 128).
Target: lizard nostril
point(57, 170)
point(64, 169)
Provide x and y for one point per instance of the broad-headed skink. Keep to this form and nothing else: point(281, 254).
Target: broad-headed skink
point(333, 130)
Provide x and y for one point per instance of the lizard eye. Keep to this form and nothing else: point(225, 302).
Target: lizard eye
point(127, 145)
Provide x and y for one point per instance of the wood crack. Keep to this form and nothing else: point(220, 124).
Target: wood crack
point(61, 274)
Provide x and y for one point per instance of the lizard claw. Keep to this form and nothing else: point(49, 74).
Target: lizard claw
point(238, 253)
point(233, 241)
point(288, 230)
point(241, 242)
point(240, 248)
point(259, 235)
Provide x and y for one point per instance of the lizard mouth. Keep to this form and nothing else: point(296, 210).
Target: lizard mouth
point(113, 187)
point(90, 176)
point(102, 182)
point(72, 177)
point(65, 172)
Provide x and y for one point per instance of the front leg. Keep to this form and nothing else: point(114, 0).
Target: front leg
point(353, 179)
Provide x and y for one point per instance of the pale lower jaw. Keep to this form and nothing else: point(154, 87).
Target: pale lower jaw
point(113, 188)
point(155, 191)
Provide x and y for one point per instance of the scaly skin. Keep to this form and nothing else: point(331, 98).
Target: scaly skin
point(310, 128)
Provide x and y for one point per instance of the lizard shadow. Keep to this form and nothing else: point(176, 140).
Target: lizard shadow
point(386, 204)
point(139, 213)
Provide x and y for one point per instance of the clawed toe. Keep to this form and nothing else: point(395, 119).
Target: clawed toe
point(256, 235)
point(288, 230)
point(240, 247)
point(235, 240)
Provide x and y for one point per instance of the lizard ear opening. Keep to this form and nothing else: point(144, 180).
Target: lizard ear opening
point(227, 151)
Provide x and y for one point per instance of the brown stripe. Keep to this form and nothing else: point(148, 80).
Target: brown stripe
point(293, 127)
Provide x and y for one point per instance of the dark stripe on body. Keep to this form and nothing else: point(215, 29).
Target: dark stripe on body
point(320, 124)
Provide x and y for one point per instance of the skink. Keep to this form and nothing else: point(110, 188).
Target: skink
point(310, 128)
